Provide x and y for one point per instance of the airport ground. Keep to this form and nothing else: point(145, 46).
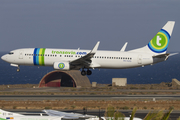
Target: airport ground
point(146, 97)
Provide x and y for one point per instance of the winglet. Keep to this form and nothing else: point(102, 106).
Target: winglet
point(124, 47)
point(95, 48)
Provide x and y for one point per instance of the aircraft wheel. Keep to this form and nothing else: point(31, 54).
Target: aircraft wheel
point(89, 72)
point(18, 70)
point(83, 72)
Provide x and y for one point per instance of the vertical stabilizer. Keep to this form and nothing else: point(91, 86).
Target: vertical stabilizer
point(160, 42)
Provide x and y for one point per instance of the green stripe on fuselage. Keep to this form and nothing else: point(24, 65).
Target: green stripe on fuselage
point(43, 51)
point(41, 56)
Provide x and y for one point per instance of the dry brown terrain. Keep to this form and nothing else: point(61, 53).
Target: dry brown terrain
point(90, 104)
point(101, 89)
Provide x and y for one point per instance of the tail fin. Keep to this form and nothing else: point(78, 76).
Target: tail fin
point(160, 42)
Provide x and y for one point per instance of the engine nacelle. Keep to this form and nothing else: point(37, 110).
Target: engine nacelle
point(61, 66)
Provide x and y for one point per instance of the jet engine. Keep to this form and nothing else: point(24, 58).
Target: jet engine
point(61, 66)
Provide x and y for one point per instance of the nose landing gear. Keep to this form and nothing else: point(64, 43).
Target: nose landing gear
point(15, 65)
point(18, 69)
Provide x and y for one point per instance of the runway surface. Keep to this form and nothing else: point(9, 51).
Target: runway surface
point(89, 97)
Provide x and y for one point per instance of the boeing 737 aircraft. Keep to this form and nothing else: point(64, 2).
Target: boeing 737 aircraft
point(76, 59)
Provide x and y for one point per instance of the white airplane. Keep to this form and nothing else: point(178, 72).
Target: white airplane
point(5, 115)
point(52, 115)
point(76, 59)
point(76, 115)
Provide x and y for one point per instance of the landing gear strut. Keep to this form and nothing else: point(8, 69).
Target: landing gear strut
point(18, 69)
point(88, 72)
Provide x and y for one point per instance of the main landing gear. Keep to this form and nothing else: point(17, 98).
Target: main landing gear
point(88, 72)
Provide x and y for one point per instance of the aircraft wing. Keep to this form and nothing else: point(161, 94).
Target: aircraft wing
point(65, 115)
point(86, 60)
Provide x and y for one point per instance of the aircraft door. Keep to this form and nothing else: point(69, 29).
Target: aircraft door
point(139, 59)
point(20, 54)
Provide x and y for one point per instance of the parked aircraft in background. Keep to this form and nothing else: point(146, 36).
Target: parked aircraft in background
point(76, 59)
point(52, 115)
point(5, 115)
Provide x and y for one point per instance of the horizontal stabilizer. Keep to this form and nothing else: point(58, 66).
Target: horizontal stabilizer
point(173, 54)
point(161, 55)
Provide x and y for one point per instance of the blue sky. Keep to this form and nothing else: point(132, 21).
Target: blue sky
point(81, 23)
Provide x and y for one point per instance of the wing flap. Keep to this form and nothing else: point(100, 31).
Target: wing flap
point(85, 61)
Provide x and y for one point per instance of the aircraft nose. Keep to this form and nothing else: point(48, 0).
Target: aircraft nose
point(3, 57)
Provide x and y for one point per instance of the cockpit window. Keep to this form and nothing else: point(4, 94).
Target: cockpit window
point(10, 53)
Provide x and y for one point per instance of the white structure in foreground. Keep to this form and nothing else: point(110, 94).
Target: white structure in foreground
point(53, 115)
point(119, 81)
